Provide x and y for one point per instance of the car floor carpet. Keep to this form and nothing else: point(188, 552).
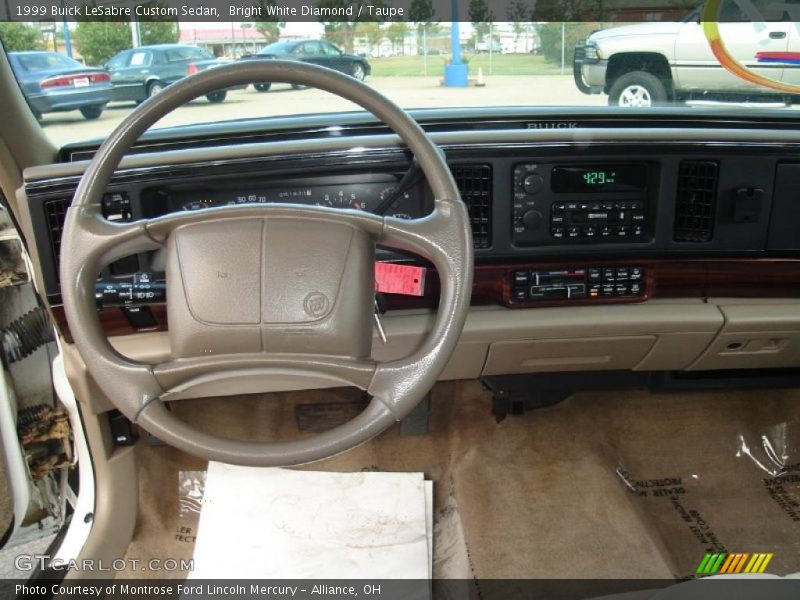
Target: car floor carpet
point(603, 485)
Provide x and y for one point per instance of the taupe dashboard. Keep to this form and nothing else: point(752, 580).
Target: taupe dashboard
point(603, 226)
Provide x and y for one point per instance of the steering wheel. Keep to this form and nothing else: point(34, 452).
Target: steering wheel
point(270, 290)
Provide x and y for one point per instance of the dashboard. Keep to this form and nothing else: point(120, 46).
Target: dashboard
point(598, 213)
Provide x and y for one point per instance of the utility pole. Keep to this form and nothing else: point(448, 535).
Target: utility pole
point(65, 31)
point(455, 74)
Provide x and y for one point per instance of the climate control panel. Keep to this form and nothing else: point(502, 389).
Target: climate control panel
point(597, 203)
point(577, 284)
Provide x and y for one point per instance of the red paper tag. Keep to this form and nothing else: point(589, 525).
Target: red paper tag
point(399, 279)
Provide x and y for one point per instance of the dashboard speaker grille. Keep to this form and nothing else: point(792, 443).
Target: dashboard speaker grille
point(55, 211)
point(695, 201)
point(475, 184)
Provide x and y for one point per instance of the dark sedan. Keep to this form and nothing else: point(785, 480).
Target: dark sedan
point(318, 52)
point(142, 72)
point(53, 82)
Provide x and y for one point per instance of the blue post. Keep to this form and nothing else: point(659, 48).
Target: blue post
point(65, 31)
point(455, 73)
point(67, 38)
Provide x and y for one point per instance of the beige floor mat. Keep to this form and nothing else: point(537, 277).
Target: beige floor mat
point(554, 494)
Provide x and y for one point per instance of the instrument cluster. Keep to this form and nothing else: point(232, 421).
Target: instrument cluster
point(357, 196)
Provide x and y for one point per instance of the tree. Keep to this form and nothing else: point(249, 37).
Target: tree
point(269, 26)
point(482, 18)
point(343, 32)
point(569, 10)
point(397, 32)
point(159, 32)
point(97, 41)
point(422, 13)
point(155, 30)
point(371, 30)
point(19, 36)
point(550, 36)
point(518, 13)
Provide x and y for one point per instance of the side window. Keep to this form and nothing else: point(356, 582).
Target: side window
point(140, 58)
point(196, 54)
point(119, 61)
point(330, 49)
point(311, 49)
point(176, 55)
point(757, 11)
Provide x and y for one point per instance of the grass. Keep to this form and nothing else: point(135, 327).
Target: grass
point(501, 64)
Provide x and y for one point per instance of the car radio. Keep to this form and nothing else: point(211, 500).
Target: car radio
point(580, 203)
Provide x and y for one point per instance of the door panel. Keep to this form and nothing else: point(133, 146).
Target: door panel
point(791, 71)
point(698, 69)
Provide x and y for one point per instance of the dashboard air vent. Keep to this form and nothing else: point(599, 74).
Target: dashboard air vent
point(55, 211)
point(475, 184)
point(695, 201)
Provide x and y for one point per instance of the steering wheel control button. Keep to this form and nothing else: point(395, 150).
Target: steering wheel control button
point(575, 284)
point(129, 293)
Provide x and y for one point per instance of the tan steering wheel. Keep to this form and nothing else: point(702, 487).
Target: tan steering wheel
point(266, 290)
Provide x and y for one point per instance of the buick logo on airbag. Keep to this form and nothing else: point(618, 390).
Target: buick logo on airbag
point(316, 305)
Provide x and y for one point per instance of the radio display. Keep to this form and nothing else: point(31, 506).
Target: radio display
point(599, 178)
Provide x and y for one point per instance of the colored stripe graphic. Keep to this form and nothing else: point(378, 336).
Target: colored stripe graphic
point(724, 563)
point(702, 568)
point(708, 19)
point(792, 58)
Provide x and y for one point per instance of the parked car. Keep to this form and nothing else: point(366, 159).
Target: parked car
point(651, 64)
point(53, 82)
point(142, 72)
point(318, 52)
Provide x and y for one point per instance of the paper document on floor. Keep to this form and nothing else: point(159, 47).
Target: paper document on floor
point(280, 523)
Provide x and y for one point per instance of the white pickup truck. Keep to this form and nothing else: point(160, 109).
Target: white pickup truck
point(652, 64)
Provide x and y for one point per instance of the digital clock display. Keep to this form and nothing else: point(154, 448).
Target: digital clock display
point(599, 178)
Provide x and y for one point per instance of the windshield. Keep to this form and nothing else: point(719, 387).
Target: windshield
point(644, 58)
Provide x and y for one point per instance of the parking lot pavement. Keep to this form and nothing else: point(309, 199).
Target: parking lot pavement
point(409, 92)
